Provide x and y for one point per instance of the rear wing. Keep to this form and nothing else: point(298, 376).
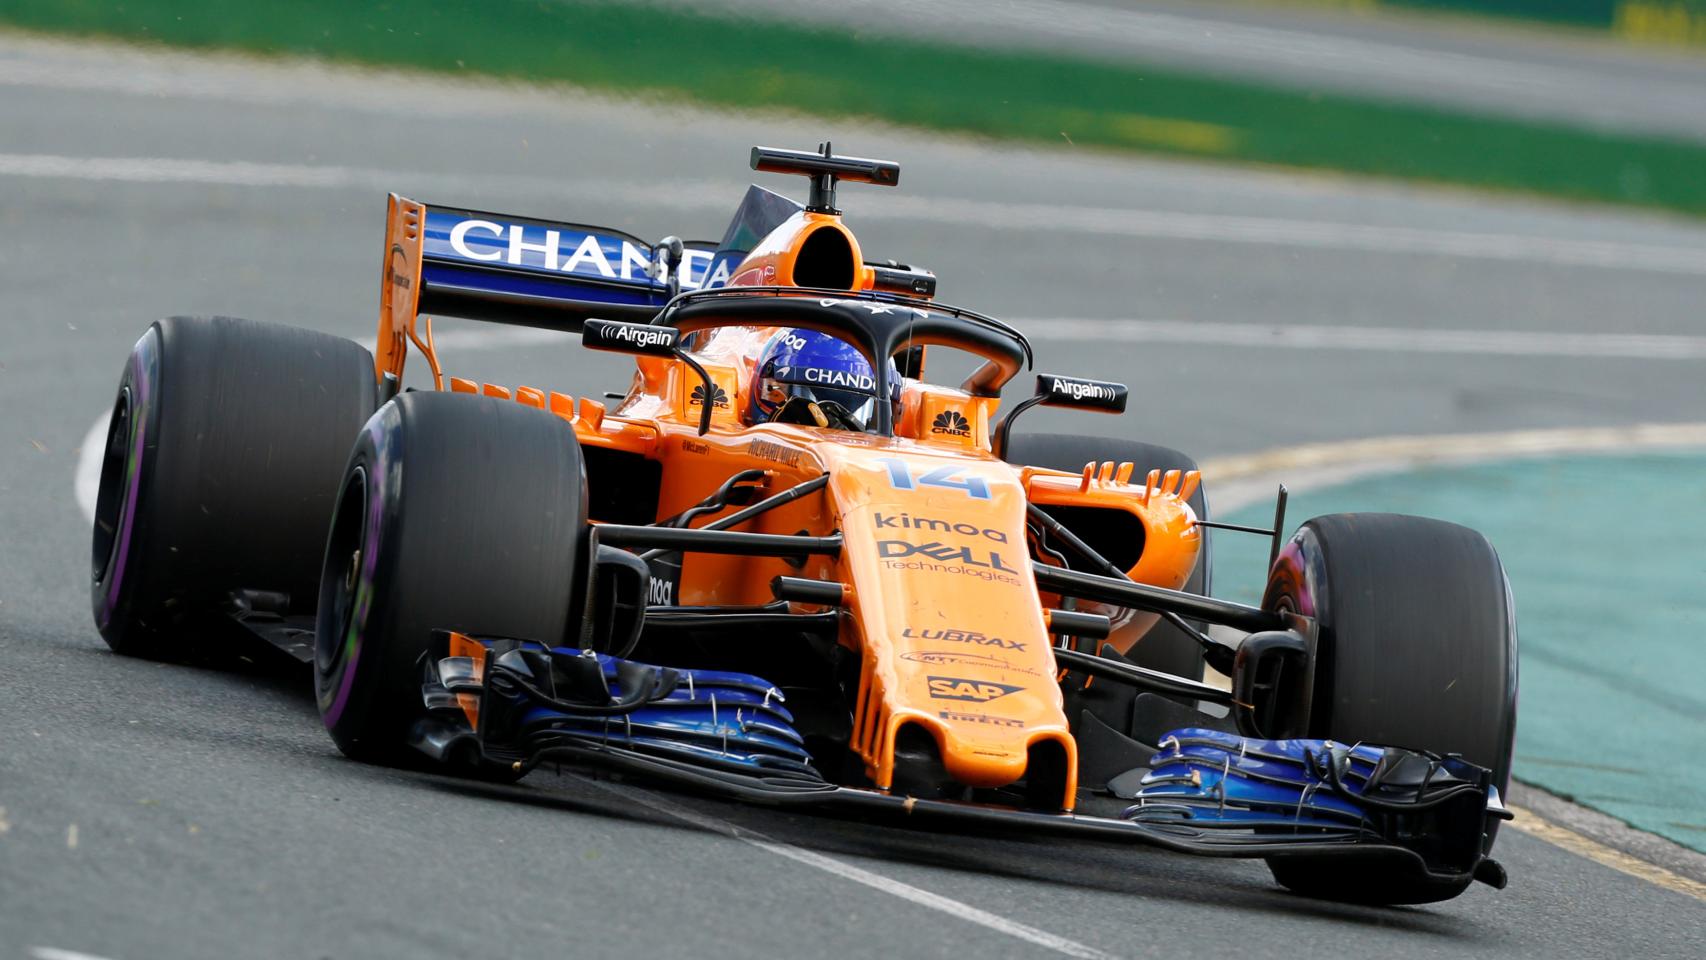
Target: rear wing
point(447, 261)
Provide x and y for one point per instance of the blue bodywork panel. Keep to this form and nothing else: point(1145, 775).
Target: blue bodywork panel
point(512, 269)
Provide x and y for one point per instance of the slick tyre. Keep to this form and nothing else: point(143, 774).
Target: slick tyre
point(220, 468)
point(456, 512)
point(1416, 648)
point(1164, 647)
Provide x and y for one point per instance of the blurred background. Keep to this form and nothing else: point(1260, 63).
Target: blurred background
point(1434, 256)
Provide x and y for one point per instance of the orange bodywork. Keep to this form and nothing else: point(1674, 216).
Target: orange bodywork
point(942, 605)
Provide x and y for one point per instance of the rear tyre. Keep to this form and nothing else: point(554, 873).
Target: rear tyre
point(458, 513)
point(1416, 649)
point(222, 461)
point(1165, 647)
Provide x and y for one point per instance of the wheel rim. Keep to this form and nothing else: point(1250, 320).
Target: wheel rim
point(117, 477)
point(341, 574)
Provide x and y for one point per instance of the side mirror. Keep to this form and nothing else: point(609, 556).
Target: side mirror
point(1082, 393)
point(643, 338)
point(619, 337)
point(1103, 395)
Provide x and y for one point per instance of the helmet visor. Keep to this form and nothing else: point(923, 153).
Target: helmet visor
point(854, 393)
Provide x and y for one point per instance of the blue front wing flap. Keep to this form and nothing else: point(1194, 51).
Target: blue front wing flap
point(1206, 791)
point(533, 699)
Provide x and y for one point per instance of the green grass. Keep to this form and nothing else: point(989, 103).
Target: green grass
point(672, 55)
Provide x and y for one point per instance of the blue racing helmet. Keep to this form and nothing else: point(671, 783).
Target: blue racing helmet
point(799, 369)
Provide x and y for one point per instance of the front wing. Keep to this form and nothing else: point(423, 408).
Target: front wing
point(1206, 792)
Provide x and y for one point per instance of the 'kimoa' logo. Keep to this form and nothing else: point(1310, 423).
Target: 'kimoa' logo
point(719, 397)
point(951, 423)
point(907, 521)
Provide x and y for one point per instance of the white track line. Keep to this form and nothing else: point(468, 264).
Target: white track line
point(55, 953)
point(859, 875)
point(1509, 343)
point(967, 212)
point(1515, 343)
point(1525, 343)
point(1289, 232)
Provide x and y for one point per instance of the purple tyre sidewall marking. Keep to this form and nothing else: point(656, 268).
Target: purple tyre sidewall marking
point(379, 476)
point(143, 375)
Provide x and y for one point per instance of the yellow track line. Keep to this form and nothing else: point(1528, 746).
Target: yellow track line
point(1536, 826)
point(1415, 450)
point(1337, 462)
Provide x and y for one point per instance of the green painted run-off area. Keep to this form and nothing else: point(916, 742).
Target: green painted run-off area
point(673, 55)
point(1607, 562)
point(1663, 21)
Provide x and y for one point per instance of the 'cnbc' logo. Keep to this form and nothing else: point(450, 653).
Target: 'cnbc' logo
point(950, 423)
point(719, 398)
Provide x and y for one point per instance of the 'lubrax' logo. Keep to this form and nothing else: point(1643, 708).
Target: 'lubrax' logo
point(719, 397)
point(976, 691)
point(951, 423)
point(962, 636)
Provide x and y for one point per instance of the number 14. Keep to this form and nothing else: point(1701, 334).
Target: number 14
point(902, 477)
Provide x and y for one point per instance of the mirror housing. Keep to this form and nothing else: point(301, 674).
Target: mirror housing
point(1082, 393)
point(641, 338)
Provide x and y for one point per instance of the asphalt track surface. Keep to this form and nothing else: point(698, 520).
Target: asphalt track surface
point(1464, 63)
point(180, 812)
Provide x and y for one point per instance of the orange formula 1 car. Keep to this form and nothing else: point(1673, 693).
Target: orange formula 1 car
point(788, 565)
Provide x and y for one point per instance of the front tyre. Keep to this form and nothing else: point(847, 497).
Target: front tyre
point(455, 512)
point(1416, 648)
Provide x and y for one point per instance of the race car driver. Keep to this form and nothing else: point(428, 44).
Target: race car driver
point(814, 379)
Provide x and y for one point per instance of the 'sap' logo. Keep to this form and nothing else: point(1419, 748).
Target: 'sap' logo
point(976, 691)
point(719, 397)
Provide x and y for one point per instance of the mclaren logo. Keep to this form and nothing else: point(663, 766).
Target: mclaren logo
point(976, 691)
point(876, 309)
point(719, 397)
point(950, 423)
